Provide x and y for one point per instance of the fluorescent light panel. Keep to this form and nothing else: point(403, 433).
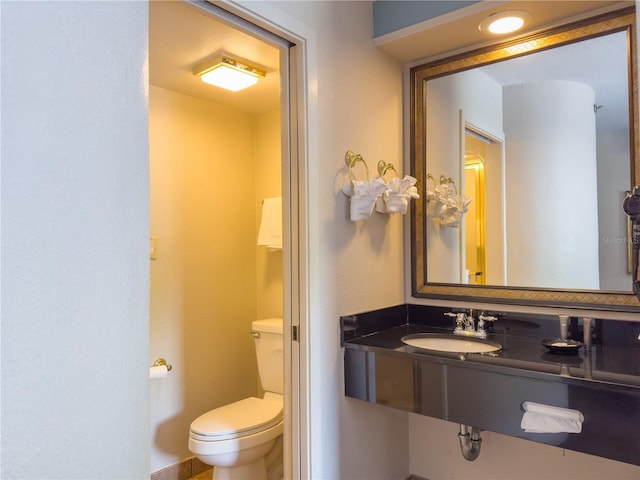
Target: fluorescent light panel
point(225, 72)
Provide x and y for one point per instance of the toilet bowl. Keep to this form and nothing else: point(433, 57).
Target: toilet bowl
point(236, 438)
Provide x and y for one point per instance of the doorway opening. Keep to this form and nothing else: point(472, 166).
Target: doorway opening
point(216, 156)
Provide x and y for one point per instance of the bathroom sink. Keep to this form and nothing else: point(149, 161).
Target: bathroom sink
point(450, 343)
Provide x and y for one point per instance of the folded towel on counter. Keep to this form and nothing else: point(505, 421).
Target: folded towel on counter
point(540, 418)
point(270, 233)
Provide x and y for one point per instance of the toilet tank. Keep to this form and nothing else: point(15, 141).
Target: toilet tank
point(269, 351)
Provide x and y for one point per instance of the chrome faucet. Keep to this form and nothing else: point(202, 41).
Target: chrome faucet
point(466, 325)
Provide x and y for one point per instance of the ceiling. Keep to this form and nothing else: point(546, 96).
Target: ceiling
point(458, 30)
point(181, 36)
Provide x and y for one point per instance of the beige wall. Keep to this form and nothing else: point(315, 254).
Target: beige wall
point(209, 167)
point(268, 175)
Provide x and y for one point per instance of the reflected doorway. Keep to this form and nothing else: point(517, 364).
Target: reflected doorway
point(475, 219)
point(483, 244)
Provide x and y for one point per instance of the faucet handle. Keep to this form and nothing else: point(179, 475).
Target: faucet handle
point(460, 318)
point(482, 328)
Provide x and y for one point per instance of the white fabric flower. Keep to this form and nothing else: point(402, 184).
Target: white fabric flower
point(364, 194)
point(396, 197)
point(438, 200)
point(456, 207)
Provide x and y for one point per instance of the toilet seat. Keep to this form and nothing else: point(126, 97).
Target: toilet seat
point(239, 419)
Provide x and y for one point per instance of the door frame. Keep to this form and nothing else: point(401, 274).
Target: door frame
point(297, 44)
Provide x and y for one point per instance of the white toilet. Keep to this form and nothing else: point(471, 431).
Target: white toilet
point(236, 438)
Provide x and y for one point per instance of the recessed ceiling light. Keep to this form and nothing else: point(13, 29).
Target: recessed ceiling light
point(505, 22)
point(226, 72)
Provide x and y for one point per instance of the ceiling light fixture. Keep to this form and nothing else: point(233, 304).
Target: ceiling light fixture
point(226, 72)
point(505, 22)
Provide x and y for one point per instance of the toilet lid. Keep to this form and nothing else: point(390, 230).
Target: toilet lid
point(239, 418)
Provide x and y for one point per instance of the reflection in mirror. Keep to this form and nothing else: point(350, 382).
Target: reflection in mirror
point(542, 144)
point(475, 225)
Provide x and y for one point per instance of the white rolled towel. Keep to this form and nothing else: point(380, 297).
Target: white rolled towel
point(540, 418)
point(270, 232)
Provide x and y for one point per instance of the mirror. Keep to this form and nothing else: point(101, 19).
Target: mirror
point(538, 136)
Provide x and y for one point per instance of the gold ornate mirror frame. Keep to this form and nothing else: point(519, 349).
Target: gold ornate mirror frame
point(623, 20)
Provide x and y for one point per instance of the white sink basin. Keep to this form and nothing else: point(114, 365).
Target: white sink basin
point(450, 343)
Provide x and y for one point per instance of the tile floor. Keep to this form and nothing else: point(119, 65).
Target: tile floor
point(206, 475)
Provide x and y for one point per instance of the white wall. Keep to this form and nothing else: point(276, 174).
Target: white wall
point(551, 185)
point(435, 454)
point(354, 267)
point(75, 255)
point(613, 169)
point(360, 268)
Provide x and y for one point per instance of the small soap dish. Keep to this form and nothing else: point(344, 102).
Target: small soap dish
point(559, 345)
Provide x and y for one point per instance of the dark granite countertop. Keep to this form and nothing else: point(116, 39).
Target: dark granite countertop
point(614, 357)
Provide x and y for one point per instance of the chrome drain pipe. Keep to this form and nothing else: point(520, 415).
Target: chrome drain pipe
point(469, 442)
